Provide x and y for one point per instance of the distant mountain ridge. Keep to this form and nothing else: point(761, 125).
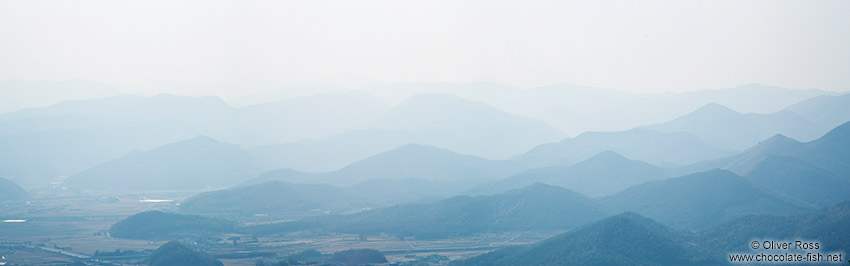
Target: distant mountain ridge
point(411, 161)
point(339, 124)
point(601, 175)
point(654, 147)
point(468, 127)
point(729, 130)
point(190, 164)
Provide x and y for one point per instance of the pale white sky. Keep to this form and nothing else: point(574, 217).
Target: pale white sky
point(636, 46)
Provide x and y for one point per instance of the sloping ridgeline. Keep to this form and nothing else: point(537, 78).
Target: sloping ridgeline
point(195, 163)
point(11, 191)
point(702, 200)
point(815, 172)
point(273, 198)
point(536, 207)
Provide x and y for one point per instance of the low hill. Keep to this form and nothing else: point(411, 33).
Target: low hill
point(197, 163)
point(272, 198)
point(601, 175)
point(701, 200)
point(357, 257)
point(176, 254)
point(153, 225)
point(11, 191)
point(537, 207)
point(625, 239)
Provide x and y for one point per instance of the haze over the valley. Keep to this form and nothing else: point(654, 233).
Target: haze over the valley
point(423, 132)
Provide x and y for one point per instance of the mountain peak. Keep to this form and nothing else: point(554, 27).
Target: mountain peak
point(779, 139)
point(633, 219)
point(607, 156)
point(715, 109)
point(778, 144)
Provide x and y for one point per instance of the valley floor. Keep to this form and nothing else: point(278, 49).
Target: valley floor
point(61, 229)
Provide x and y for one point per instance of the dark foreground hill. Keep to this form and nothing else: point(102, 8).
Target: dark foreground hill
point(830, 227)
point(11, 191)
point(357, 257)
point(625, 239)
point(176, 254)
point(702, 200)
point(153, 225)
point(630, 239)
point(537, 207)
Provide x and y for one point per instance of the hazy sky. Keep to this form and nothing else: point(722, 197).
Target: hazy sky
point(629, 45)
